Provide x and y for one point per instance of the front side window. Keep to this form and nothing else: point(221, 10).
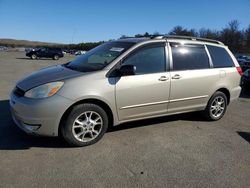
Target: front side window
point(189, 57)
point(220, 57)
point(148, 60)
point(99, 57)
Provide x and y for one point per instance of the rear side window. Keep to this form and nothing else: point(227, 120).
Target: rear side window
point(189, 57)
point(220, 57)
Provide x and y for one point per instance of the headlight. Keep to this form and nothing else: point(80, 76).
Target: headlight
point(45, 90)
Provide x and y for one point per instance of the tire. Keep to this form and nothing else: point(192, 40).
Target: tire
point(216, 106)
point(78, 130)
point(33, 56)
point(56, 57)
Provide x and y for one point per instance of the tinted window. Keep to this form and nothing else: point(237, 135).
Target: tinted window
point(188, 57)
point(220, 57)
point(148, 60)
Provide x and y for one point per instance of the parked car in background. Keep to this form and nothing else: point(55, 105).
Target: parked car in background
point(31, 49)
point(28, 49)
point(80, 52)
point(54, 53)
point(126, 80)
point(241, 57)
point(71, 51)
point(244, 62)
point(3, 48)
point(245, 80)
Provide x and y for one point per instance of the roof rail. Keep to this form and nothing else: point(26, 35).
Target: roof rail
point(156, 36)
point(160, 36)
point(191, 38)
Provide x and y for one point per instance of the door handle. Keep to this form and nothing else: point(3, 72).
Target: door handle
point(177, 76)
point(163, 78)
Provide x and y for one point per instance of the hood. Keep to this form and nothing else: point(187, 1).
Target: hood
point(32, 51)
point(46, 75)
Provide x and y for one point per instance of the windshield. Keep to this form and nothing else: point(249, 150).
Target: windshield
point(99, 57)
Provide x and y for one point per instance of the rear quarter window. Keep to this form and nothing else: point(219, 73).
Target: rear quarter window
point(220, 57)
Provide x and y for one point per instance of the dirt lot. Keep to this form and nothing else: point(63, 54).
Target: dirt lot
point(177, 151)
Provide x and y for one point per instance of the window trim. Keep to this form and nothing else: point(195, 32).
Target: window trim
point(188, 44)
point(209, 57)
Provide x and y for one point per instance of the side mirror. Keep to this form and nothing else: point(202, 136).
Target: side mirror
point(127, 70)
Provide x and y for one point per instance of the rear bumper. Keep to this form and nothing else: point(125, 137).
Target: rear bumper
point(38, 116)
point(235, 93)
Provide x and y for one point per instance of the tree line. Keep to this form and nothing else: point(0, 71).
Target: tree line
point(238, 40)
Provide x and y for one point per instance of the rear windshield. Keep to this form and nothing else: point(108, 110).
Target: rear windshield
point(220, 57)
point(99, 57)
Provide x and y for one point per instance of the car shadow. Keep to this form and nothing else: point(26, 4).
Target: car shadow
point(12, 138)
point(192, 116)
point(245, 135)
point(27, 58)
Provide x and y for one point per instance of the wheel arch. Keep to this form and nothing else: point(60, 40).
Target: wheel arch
point(98, 102)
point(226, 92)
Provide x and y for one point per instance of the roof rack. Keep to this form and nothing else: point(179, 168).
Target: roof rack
point(143, 36)
point(187, 38)
point(160, 36)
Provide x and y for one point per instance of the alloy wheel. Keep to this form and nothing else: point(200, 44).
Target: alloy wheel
point(217, 107)
point(87, 126)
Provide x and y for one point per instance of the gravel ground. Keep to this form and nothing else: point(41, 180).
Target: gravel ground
point(175, 151)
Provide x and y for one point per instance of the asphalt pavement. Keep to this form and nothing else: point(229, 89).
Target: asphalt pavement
point(175, 151)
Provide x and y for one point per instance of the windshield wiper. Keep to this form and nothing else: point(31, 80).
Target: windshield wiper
point(70, 67)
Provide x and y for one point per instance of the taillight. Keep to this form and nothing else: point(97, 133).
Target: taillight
point(239, 70)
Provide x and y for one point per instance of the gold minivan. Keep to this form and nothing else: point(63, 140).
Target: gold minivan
point(126, 80)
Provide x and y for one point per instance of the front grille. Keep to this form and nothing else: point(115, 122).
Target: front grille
point(19, 92)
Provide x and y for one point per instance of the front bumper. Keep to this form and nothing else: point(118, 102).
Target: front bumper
point(38, 116)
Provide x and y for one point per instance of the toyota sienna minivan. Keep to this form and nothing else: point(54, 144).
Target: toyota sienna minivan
point(126, 80)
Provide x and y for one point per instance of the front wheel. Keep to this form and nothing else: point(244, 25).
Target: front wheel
point(216, 107)
point(85, 125)
point(33, 56)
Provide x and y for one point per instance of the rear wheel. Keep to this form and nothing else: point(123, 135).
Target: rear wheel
point(33, 56)
point(56, 57)
point(216, 107)
point(85, 125)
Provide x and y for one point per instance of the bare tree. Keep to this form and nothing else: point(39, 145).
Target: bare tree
point(232, 36)
point(247, 39)
point(208, 33)
point(179, 30)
